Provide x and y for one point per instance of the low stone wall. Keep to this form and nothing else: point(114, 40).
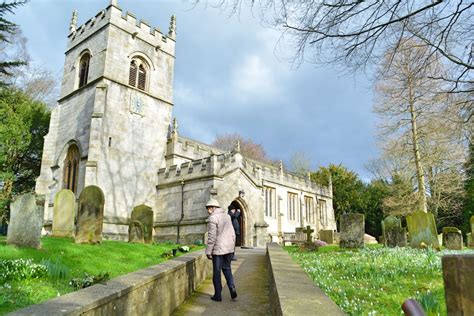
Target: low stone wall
point(156, 290)
point(292, 292)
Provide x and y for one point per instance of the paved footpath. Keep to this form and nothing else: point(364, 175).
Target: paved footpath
point(252, 285)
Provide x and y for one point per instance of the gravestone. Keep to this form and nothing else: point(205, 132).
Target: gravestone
point(26, 221)
point(396, 237)
point(327, 236)
point(389, 223)
point(452, 238)
point(458, 276)
point(136, 232)
point(90, 215)
point(63, 213)
point(144, 215)
point(352, 230)
point(308, 245)
point(422, 230)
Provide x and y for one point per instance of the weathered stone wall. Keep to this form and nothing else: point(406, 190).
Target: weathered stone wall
point(227, 174)
point(157, 290)
point(291, 291)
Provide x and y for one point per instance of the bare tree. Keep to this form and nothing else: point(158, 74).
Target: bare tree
point(248, 147)
point(419, 135)
point(357, 33)
point(35, 81)
point(300, 163)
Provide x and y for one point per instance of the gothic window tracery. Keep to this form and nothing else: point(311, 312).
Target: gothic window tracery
point(138, 74)
point(71, 168)
point(84, 69)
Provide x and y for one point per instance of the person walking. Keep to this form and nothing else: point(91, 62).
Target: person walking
point(234, 216)
point(220, 248)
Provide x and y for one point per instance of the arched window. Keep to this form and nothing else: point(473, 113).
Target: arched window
point(84, 69)
point(138, 74)
point(71, 168)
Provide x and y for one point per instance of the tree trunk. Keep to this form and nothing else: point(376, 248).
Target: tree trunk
point(420, 175)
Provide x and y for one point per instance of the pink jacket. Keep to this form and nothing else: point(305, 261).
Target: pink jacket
point(221, 235)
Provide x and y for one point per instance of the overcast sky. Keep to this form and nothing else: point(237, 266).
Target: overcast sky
point(228, 79)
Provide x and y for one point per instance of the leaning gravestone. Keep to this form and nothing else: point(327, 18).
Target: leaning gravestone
point(327, 236)
point(452, 238)
point(143, 215)
point(90, 215)
point(26, 221)
point(422, 230)
point(352, 231)
point(63, 213)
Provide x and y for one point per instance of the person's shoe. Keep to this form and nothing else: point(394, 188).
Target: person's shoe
point(233, 292)
point(217, 299)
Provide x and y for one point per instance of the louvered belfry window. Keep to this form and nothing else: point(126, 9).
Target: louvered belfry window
point(141, 77)
point(84, 69)
point(138, 74)
point(133, 73)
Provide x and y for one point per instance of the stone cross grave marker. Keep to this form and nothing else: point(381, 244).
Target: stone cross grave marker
point(26, 221)
point(63, 213)
point(144, 215)
point(90, 215)
point(352, 230)
point(308, 245)
point(422, 230)
point(308, 232)
point(452, 238)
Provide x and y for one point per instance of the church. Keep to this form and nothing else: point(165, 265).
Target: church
point(113, 128)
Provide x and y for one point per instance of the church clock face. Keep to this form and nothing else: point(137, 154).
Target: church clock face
point(137, 105)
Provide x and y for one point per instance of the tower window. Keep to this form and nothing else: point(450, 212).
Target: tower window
point(84, 69)
point(138, 74)
point(71, 168)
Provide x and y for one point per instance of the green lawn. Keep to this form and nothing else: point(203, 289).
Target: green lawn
point(66, 261)
point(376, 280)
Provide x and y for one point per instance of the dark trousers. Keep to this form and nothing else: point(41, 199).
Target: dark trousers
point(221, 263)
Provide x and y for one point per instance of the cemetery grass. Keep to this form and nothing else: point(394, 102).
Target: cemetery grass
point(377, 280)
point(65, 261)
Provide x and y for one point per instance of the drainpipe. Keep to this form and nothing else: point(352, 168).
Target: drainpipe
point(182, 211)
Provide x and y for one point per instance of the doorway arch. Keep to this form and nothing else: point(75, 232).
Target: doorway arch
point(238, 203)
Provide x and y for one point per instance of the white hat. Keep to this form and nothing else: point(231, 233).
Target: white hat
point(212, 202)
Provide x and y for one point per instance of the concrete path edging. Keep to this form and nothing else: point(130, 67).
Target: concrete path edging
point(292, 292)
point(156, 290)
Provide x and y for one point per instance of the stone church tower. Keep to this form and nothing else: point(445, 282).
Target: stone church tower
point(111, 123)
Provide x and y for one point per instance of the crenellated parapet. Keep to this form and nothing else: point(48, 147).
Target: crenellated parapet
point(224, 163)
point(126, 21)
point(277, 174)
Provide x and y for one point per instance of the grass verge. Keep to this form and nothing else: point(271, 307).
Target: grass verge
point(65, 261)
point(375, 280)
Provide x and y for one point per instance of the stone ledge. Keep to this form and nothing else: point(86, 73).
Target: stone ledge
point(156, 290)
point(292, 292)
